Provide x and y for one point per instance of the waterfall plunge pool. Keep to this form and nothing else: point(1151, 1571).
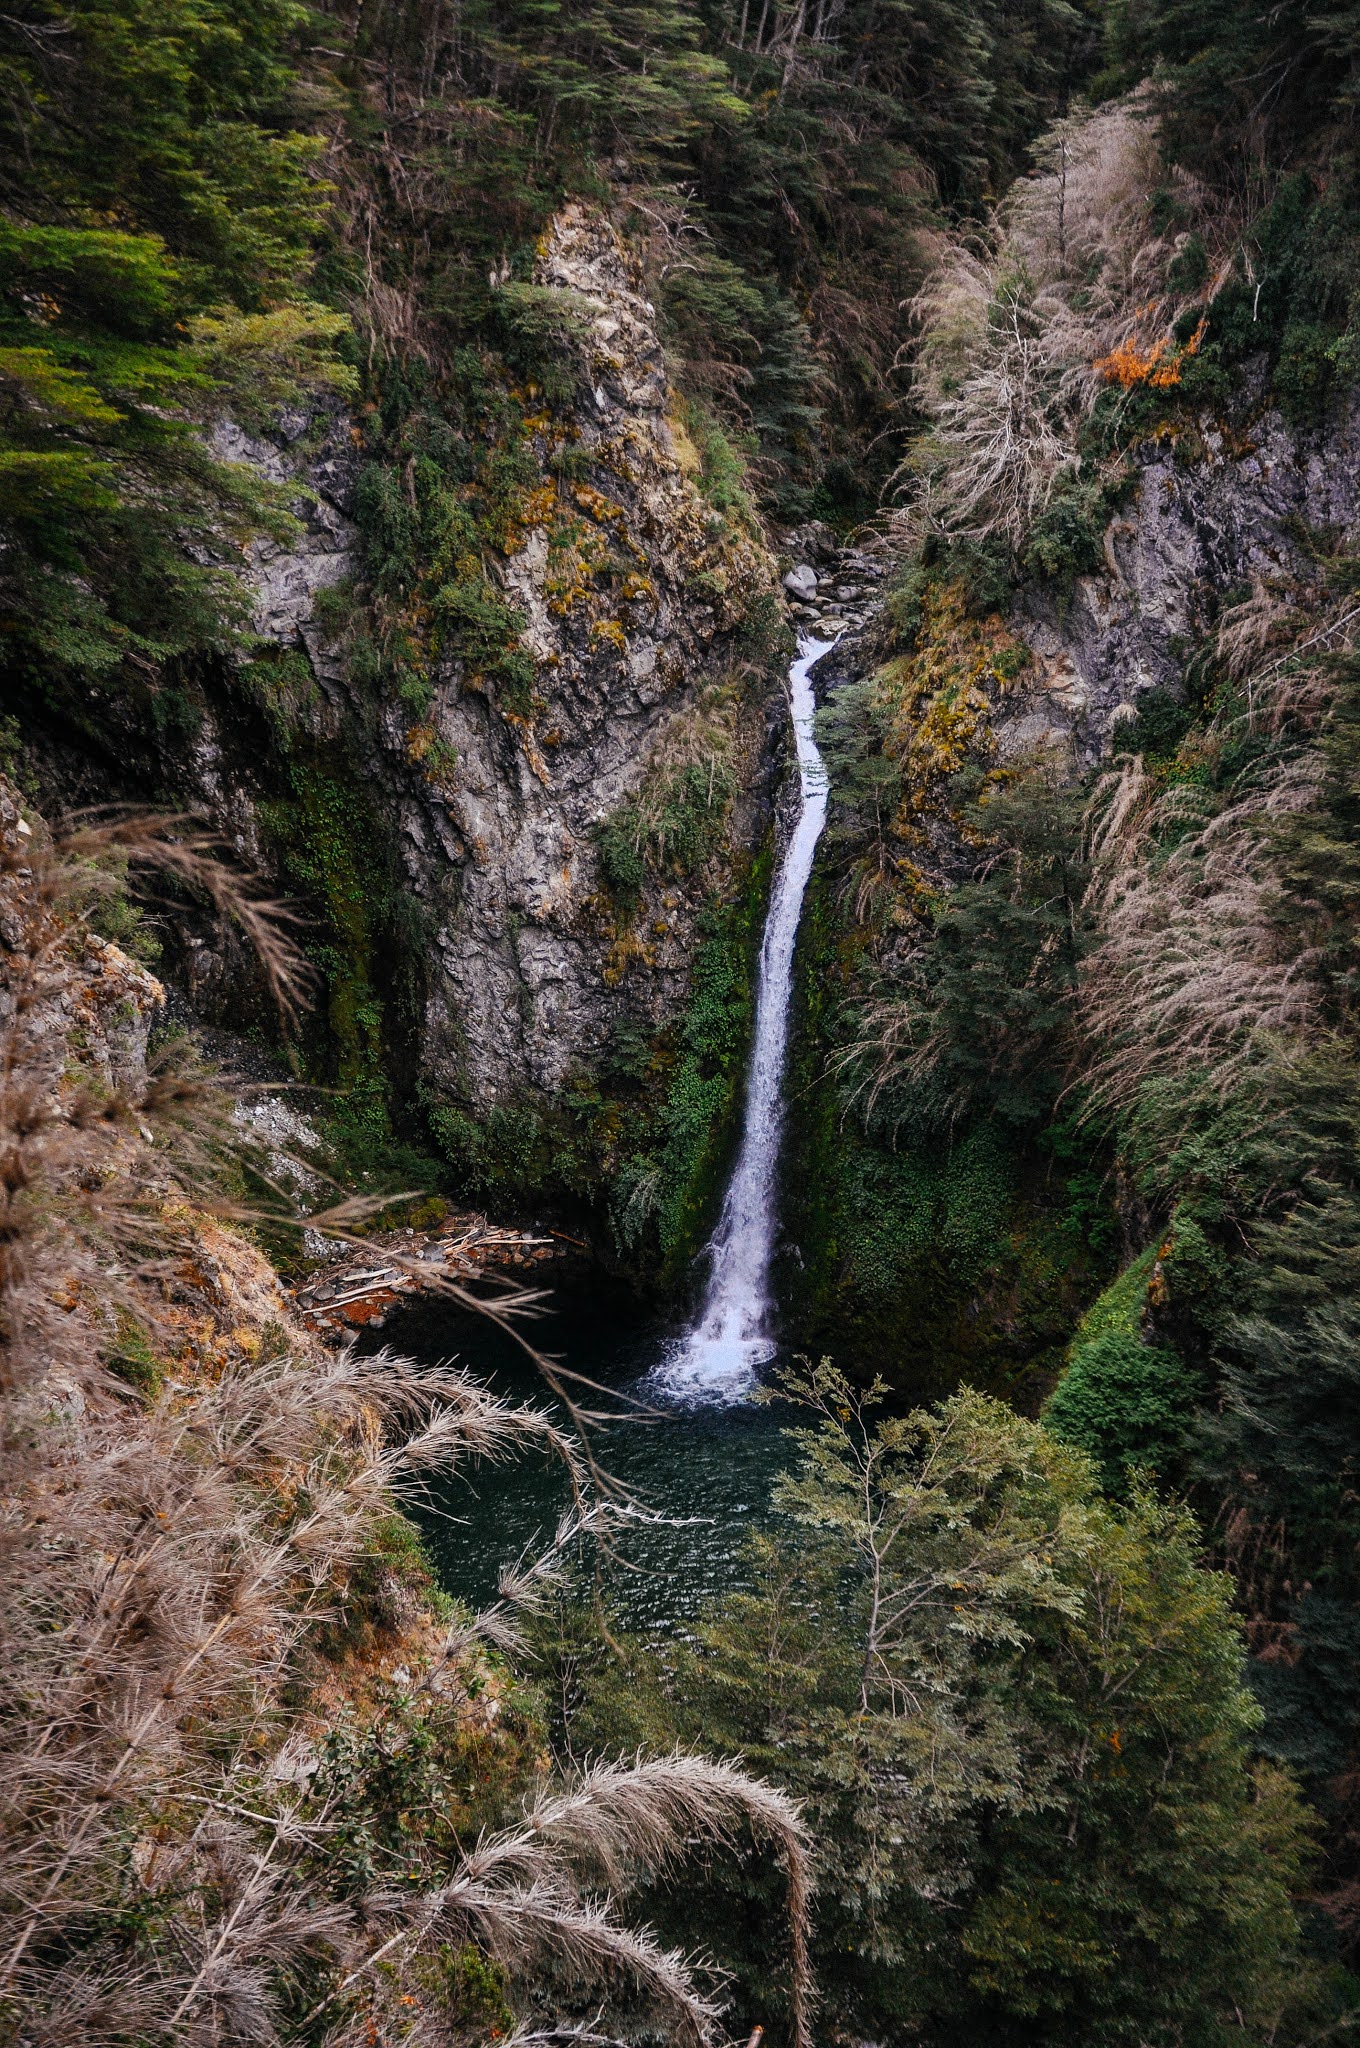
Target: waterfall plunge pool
point(707, 1453)
point(709, 1466)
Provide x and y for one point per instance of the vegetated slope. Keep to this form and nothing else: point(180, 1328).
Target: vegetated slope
point(1088, 936)
point(333, 241)
point(1015, 1712)
point(252, 1754)
point(262, 1781)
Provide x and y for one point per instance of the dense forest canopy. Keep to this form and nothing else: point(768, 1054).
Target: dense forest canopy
point(1037, 1718)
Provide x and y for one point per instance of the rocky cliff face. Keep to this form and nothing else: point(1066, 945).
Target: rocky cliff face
point(1211, 516)
point(957, 1241)
point(631, 594)
point(529, 955)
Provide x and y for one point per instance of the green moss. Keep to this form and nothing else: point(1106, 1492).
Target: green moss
point(977, 1189)
point(332, 849)
point(702, 1101)
point(929, 1260)
point(131, 1357)
point(1120, 1307)
point(1125, 1403)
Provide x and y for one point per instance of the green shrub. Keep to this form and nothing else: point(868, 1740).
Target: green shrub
point(1068, 538)
point(486, 632)
point(541, 330)
point(670, 827)
point(621, 860)
point(1161, 724)
point(505, 1154)
point(1305, 372)
point(722, 478)
point(132, 1357)
point(1015, 1714)
point(281, 682)
point(1125, 1403)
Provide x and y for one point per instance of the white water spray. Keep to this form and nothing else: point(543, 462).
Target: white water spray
point(717, 1359)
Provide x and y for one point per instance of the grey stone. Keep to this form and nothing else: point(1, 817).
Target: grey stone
point(527, 965)
point(1207, 518)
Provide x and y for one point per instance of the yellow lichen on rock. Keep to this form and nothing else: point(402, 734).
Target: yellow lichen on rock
point(938, 699)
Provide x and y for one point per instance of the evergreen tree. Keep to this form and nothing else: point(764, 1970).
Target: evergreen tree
point(157, 211)
point(1017, 1718)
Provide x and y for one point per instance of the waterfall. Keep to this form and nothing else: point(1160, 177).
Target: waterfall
point(716, 1360)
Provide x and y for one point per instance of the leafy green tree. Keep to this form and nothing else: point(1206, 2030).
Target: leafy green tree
point(1016, 1714)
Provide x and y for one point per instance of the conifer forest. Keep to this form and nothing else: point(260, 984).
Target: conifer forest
point(679, 1023)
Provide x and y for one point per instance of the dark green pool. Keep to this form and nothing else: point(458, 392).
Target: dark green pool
point(710, 1466)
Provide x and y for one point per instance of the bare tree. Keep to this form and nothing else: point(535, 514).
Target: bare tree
point(1021, 329)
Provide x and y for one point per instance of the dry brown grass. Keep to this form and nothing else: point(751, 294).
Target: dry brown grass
point(171, 1552)
point(1014, 326)
point(1195, 968)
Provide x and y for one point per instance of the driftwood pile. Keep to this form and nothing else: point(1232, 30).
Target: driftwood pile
point(361, 1292)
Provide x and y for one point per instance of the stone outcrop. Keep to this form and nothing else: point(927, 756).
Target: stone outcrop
point(287, 577)
point(631, 588)
point(1211, 515)
point(520, 993)
point(84, 992)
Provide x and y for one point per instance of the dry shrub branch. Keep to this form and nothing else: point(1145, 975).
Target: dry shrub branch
point(1071, 293)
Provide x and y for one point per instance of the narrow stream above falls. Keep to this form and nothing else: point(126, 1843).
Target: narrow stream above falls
point(705, 1453)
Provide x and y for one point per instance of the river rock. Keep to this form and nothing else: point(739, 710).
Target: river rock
point(801, 581)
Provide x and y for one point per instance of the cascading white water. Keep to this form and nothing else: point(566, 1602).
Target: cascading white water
point(716, 1360)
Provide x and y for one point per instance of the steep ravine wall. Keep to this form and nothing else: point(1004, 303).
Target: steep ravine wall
point(935, 1261)
point(631, 589)
point(608, 654)
point(1209, 516)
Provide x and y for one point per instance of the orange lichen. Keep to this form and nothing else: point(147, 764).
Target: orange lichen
point(938, 698)
point(629, 947)
point(596, 506)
